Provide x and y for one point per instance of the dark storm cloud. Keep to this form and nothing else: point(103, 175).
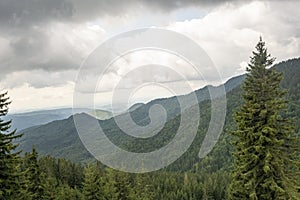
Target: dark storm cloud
point(25, 23)
point(29, 42)
point(94, 8)
point(21, 13)
point(30, 48)
point(15, 13)
point(170, 4)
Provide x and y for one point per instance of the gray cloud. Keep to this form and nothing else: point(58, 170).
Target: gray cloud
point(16, 14)
point(43, 35)
point(31, 49)
point(25, 24)
point(90, 9)
point(29, 42)
point(43, 42)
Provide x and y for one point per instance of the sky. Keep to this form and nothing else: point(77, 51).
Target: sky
point(43, 44)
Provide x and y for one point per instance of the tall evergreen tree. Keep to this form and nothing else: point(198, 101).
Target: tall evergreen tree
point(143, 190)
point(123, 185)
point(92, 184)
point(9, 158)
point(35, 184)
point(110, 189)
point(263, 137)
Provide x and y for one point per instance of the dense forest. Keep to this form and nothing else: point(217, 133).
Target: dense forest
point(257, 156)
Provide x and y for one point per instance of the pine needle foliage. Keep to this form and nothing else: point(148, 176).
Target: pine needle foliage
point(266, 147)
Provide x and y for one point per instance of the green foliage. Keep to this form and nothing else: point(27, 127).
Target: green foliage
point(92, 184)
point(62, 171)
point(104, 183)
point(122, 184)
point(263, 136)
point(9, 159)
point(143, 189)
point(65, 192)
point(33, 176)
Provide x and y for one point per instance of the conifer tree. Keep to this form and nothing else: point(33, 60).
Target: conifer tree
point(9, 158)
point(263, 137)
point(110, 189)
point(123, 185)
point(65, 192)
point(33, 175)
point(92, 184)
point(50, 190)
point(143, 189)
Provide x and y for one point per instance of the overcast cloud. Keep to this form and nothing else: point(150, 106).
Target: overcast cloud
point(43, 43)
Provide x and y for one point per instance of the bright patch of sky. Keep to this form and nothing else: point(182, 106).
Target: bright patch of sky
point(189, 13)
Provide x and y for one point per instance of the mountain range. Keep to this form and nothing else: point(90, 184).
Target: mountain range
point(59, 138)
point(25, 120)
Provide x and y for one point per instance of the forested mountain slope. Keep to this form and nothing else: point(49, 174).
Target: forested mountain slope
point(60, 139)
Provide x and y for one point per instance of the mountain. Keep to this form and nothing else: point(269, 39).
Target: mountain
point(25, 120)
point(60, 139)
point(28, 119)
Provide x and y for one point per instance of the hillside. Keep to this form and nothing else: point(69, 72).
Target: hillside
point(60, 139)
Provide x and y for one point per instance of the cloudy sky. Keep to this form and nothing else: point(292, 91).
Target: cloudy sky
point(44, 43)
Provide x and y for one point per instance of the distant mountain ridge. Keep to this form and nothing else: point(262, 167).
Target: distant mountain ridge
point(25, 120)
